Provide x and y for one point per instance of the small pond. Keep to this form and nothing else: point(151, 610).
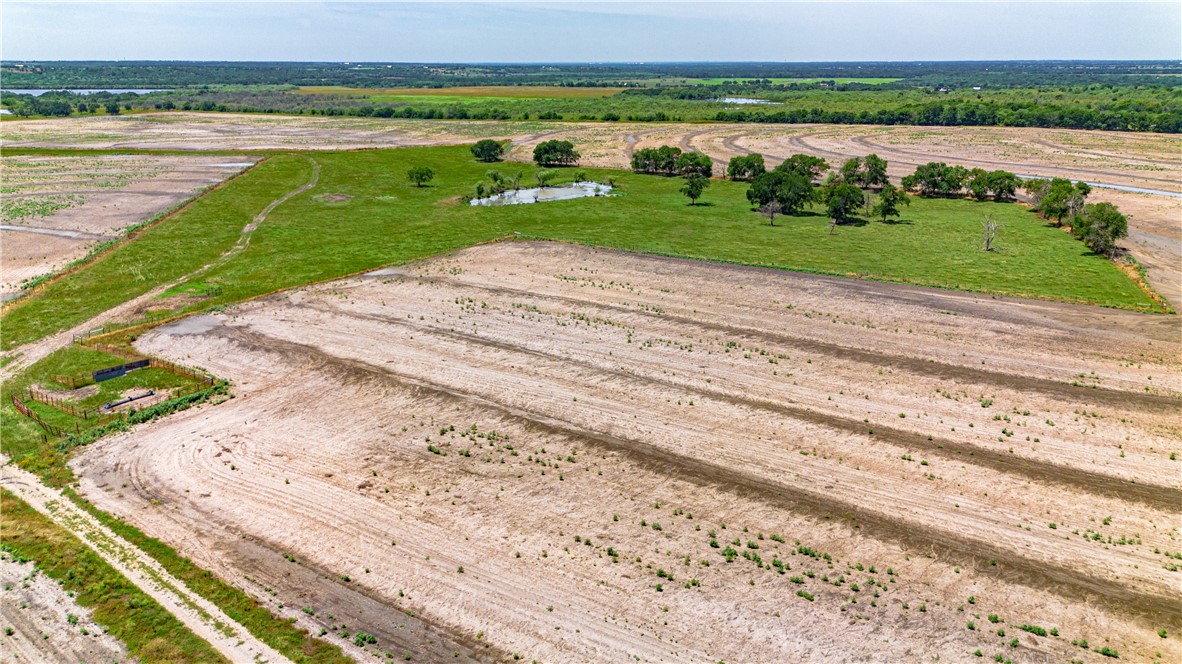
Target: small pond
point(744, 101)
point(540, 195)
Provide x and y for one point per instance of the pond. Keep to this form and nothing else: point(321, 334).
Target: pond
point(546, 195)
point(744, 101)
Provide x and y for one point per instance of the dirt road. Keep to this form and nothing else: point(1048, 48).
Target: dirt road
point(198, 614)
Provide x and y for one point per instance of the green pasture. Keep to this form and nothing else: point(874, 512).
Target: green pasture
point(389, 221)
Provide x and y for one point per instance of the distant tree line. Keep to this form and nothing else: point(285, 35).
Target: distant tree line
point(161, 74)
point(973, 114)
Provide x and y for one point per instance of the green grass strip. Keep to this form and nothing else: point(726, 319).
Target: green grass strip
point(279, 633)
point(150, 632)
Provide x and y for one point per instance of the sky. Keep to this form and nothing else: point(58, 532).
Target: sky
point(589, 31)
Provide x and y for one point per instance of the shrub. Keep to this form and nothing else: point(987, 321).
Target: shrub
point(488, 150)
point(555, 153)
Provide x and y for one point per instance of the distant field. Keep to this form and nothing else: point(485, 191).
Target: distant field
point(500, 91)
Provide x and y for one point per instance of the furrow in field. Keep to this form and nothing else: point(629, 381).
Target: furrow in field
point(738, 476)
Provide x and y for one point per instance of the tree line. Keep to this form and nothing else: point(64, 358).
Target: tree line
point(973, 114)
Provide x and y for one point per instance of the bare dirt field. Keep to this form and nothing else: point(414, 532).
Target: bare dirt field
point(39, 613)
point(56, 207)
point(1147, 161)
point(580, 455)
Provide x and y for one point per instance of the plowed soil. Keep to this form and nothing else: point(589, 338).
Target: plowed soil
point(108, 193)
point(553, 451)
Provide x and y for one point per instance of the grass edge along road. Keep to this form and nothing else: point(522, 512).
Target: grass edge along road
point(148, 630)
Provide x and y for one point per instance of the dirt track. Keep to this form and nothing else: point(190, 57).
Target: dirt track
point(38, 610)
point(938, 437)
point(202, 617)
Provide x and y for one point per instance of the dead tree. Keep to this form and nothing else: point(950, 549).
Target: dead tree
point(989, 231)
point(770, 210)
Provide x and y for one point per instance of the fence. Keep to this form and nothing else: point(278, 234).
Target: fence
point(179, 369)
point(68, 380)
point(203, 382)
point(32, 415)
point(64, 405)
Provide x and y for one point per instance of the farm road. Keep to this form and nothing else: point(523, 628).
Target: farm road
point(198, 614)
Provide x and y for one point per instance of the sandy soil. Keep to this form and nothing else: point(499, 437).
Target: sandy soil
point(1151, 161)
point(37, 609)
point(110, 193)
point(615, 416)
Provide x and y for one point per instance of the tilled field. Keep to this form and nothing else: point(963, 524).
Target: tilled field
point(56, 207)
point(578, 455)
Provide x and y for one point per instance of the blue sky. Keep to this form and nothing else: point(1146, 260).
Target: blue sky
point(590, 31)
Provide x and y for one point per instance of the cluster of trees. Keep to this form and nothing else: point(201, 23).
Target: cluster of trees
point(789, 185)
point(1061, 201)
point(63, 103)
point(746, 167)
point(669, 160)
point(859, 184)
point(1100, 225)
point(555, 153)
point(939, 179)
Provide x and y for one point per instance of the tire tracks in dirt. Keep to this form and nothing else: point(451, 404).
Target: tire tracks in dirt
point(923, 158)
point(200, 615)
point(1060, 579)
point(1158, 497)
point(1154, 403)
point(686, 145)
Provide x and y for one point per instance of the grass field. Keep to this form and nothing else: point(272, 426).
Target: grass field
point(496, 91)
point(388, 221)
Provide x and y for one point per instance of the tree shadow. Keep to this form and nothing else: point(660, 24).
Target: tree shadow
point(856, 222)
point(896, 222)
point(702, 204)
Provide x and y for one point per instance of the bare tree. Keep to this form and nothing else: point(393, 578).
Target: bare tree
point(770, 210)
point(989, 231)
